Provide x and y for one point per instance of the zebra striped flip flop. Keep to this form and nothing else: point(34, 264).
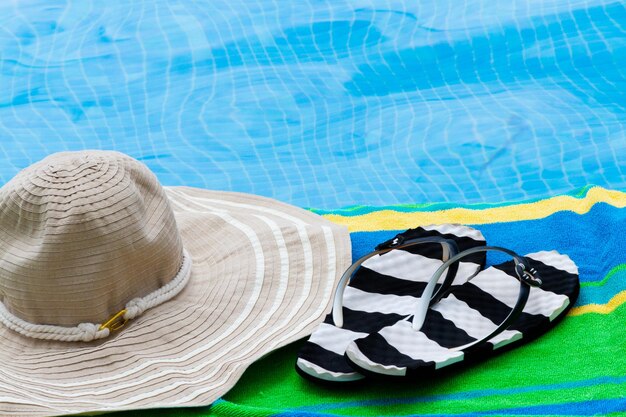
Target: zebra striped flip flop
point(504, 305)
point(382, 288)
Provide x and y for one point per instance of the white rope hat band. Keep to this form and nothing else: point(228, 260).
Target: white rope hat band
point(87, 332)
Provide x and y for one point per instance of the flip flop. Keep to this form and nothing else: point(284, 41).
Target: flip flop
point(384, 285)
point(503, 306)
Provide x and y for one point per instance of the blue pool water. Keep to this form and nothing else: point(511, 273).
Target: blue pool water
point(325, 103)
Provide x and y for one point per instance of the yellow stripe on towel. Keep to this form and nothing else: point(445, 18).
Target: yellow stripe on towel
point(616, 301)
point(398, 220)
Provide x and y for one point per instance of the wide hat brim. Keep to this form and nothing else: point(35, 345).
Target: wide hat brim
point(263, 276)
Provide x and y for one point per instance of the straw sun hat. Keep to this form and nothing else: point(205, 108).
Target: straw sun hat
point(116, 293)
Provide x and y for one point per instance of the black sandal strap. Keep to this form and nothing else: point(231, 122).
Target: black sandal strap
point(450, 249)
point(527, 276)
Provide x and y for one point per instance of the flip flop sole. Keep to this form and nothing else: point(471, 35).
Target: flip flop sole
point(382, 292)
point(465, 314)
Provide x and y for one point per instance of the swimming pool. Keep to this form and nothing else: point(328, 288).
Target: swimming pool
point(325, 103)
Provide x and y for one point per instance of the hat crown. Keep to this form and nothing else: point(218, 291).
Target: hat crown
point(82, 234)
